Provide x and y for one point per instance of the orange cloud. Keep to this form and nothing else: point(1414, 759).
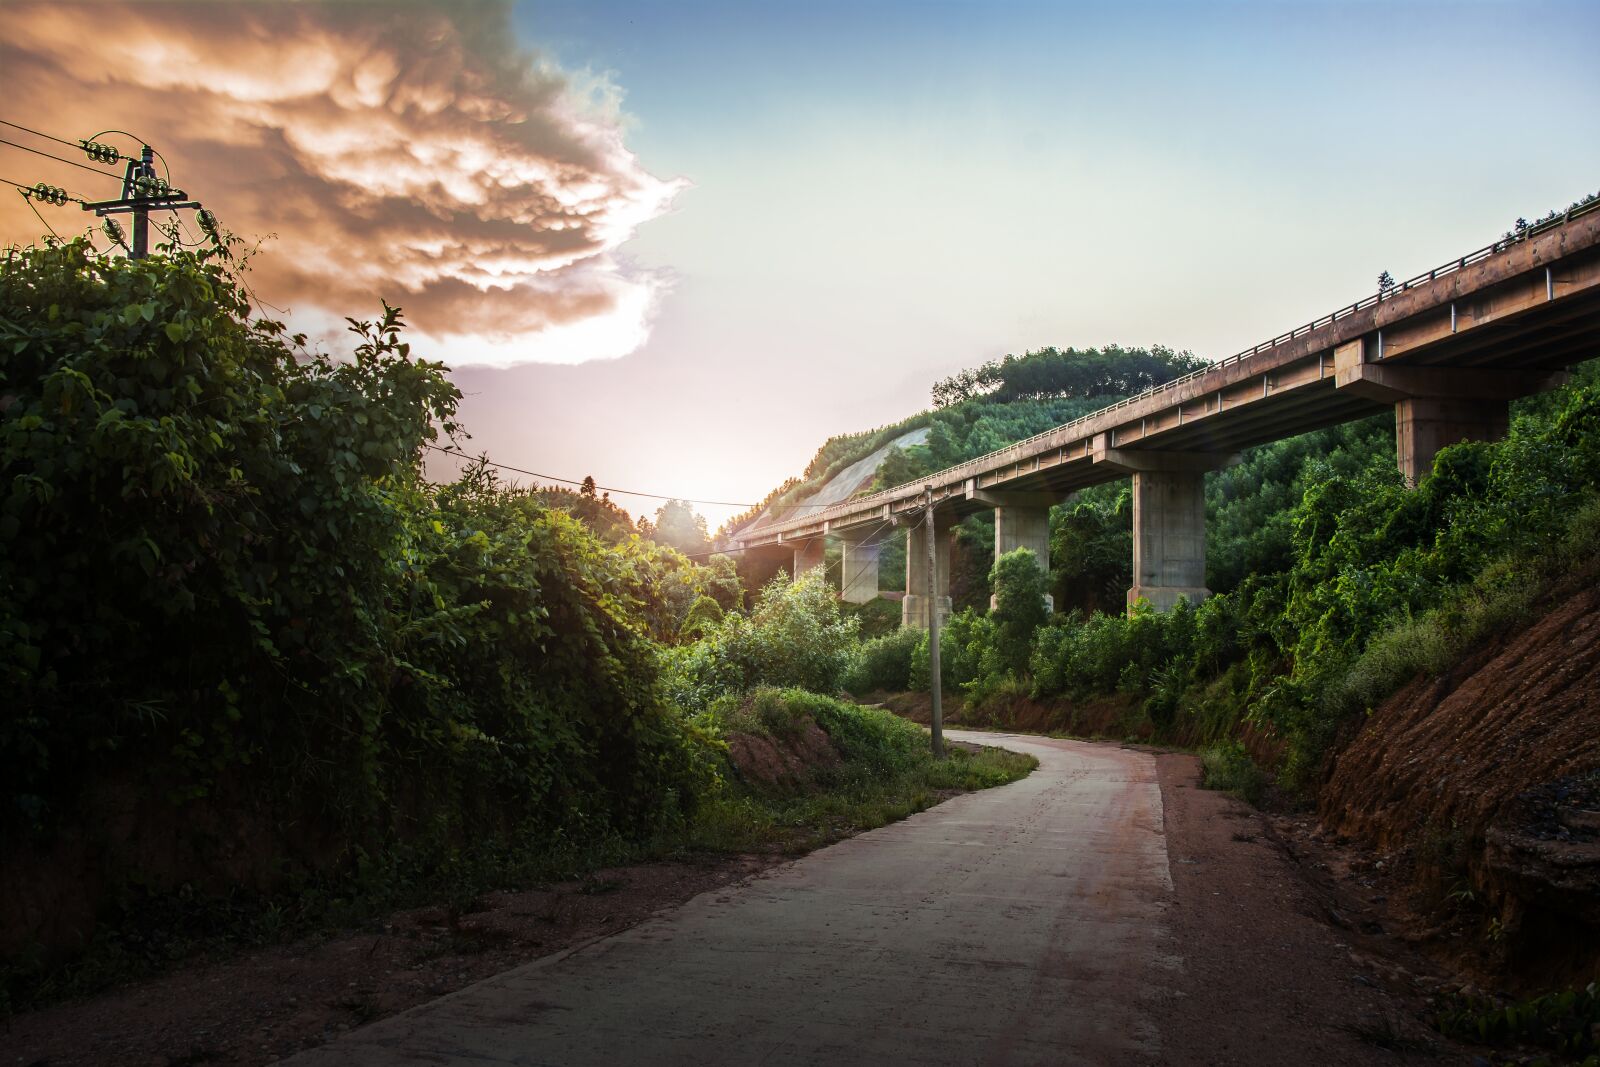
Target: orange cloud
point(405, 151)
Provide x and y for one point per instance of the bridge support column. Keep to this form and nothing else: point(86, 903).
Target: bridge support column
point(914, 608)
point(858, 582)
point(1425, 424)
point(1169, 521)
point(1169, 538)
point(809, 555)
point(1435, 407)
point(1021, 520)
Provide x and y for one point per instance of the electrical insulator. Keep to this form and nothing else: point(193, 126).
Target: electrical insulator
point(207, 221)
point(49, 194)
point(100, 153)
point(151, 187)
point(114, 231)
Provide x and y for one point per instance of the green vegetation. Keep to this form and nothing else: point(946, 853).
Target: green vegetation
point(1228, 767)
point(1565, 1022)
point(795, 635)
point(233, 604)
point(981, 411)
point(1336, 584)
point(886, 773)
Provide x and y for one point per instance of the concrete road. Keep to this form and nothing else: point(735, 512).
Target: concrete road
point(1019, 925)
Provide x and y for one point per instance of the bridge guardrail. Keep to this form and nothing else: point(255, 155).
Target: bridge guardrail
point(973, 466)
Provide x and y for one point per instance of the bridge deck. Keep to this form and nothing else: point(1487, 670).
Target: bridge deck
point(1528, 303)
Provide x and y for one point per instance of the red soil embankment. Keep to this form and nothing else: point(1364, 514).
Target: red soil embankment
point(786, 764)
point(1489, 770)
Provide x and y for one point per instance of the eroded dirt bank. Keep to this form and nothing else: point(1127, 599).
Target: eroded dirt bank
point(1281, 962)
point(1482, 788)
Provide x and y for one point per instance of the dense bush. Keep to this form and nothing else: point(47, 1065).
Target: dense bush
point(219, 560)
point(795, 636)
point(883, 664)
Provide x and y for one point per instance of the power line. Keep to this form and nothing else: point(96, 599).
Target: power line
point(36, 133)
point(570, 481)
point(32, 207)
point(58, 159)
point(609, 489)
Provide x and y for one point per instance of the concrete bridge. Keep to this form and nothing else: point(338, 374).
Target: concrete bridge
point(1447, 351)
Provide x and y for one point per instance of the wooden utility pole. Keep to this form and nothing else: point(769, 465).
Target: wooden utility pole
point(935, 680)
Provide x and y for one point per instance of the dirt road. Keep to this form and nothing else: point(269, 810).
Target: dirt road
point(1021, 925)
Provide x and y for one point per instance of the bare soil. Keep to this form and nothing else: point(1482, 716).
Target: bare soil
point(1481, 787)
point(1287, 957)
point(264, 1005)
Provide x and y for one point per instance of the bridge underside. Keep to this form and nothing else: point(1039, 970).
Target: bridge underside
point(1446, 353)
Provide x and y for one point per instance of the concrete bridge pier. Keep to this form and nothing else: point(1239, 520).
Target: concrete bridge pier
point(1435, 407)
point(858, 582)
point(1169, 521)
point(914, 608)
point(809, 555)
point(1021, 520)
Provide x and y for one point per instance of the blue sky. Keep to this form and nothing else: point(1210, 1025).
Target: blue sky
point(884, 192)
point(701, 238)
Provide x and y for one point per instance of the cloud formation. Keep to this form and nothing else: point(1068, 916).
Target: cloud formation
point(410, 151)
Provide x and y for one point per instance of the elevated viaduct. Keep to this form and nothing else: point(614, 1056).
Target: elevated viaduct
point(1447, 351)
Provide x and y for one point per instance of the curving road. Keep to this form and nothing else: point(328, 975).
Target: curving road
point(1019, 925)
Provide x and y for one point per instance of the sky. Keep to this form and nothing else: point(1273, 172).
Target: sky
point(676, 246)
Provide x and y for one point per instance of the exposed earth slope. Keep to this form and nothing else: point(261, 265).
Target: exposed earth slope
point(1485, 781)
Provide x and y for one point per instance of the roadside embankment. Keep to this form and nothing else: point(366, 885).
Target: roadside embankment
point(1485, 784)
point(801, 772)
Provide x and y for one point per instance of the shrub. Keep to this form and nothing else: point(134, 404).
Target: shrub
point(1019, 588)
point(223, 574)
point(1228, 767)
point(794, 637)
point(883, 664)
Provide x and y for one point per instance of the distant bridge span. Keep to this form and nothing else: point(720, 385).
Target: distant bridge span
point(1447, 350)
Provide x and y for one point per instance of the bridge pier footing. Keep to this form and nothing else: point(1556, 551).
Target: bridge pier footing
point(1169, 521)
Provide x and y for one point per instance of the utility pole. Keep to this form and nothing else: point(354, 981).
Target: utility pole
point(141, 214)
point(141, 190)
point(935, 680)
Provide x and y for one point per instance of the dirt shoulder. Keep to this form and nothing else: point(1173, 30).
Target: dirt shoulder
point(267, 1004)
point(1281, 963)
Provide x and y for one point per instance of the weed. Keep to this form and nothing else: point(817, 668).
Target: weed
point(1566, 1021)
point(1381, 1032)
point(1228, 767)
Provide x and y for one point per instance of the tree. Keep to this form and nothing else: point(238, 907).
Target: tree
point(677, 525)
point(1019, 588)
point(588, 488)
